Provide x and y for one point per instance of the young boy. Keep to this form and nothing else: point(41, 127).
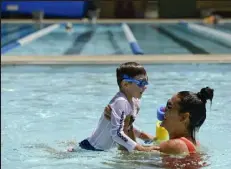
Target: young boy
point(132, 80)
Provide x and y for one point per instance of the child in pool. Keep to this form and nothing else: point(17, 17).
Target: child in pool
point(132, 81)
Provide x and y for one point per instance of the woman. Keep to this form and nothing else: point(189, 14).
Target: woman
point(185, 113)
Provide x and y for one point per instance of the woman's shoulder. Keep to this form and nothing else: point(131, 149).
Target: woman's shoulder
point(190, 145)
point(174, 146)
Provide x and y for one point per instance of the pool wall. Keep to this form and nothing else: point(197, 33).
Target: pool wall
point(114, 59)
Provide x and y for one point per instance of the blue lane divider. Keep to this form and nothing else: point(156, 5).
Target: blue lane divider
point(29, 38)
point(9, 47)
point(15, 36)
point(132, 40)
point(208, 32)
point(183, 23)
point(136, 48)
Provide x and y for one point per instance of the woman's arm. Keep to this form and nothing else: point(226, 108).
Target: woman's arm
point(173, 146)
point(143, 135)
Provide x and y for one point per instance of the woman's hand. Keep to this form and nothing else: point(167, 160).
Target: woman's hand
point(107, 115)
point(107, 112)
point(147, 148)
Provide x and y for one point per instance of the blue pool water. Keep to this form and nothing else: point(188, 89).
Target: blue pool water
point(226, 27)
point(84, 40)
point(109, 39)
point(45, 109)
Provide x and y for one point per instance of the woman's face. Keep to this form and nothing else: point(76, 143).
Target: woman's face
point(173, 119)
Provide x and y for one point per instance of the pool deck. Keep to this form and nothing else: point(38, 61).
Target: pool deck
point(114, 59)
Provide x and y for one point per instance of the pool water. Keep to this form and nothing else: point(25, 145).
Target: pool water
point(46, 109)
point(109, 39)
point(83, 40)
point(175, 39)
point(226, 27)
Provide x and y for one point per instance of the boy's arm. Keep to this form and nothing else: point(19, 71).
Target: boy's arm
point(118, 115)
point(137, 132)
point(114, 114)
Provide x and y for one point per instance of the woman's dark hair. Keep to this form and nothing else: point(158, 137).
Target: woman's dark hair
point(130, 69)
point(195, 104)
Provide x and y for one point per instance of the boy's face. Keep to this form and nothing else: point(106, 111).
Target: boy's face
point(136, 90)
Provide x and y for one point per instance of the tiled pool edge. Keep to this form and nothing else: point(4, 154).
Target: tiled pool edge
point(114, 59)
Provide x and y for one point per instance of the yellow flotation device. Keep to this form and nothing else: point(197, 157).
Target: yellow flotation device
point(161, 132)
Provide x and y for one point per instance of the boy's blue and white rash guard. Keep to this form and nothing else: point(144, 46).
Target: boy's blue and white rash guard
point(108, 133)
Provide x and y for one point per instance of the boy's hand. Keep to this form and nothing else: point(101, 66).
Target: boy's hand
point(107, 112)
point(71, 149)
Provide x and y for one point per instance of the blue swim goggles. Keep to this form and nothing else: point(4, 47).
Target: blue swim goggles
point(140, 83)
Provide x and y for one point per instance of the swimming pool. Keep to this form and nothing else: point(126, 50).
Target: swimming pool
point(110, 39)
point(47, 108)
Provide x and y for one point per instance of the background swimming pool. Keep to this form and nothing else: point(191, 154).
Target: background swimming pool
point(45, 108)
point(109, 39)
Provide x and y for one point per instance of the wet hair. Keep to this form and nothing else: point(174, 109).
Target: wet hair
point(130, 69)
point(195, 104)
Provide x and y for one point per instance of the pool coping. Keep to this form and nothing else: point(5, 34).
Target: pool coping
point(104, 21)
point(115, 59)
